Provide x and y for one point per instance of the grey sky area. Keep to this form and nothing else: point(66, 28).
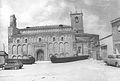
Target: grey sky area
point(97, 14)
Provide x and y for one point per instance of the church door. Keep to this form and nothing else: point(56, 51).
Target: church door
point(40, 55)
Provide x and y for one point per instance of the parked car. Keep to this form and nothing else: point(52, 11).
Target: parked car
point(13, 64)
point(27, 59)
point(113, 60)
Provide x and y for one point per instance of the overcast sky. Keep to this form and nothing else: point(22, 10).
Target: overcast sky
point(97, 14)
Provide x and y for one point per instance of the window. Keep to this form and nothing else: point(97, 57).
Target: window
point(61, 38)
point(79, 49)
point(118, 28)
point(110, 56)
point(76, 19)
point(118, 56)
point(18, 41)
point(104, 47)
point(77, 31)
point(39, 39)
point(25, 40)
point(53, 38)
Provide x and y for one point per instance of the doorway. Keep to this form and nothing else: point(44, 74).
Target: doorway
point(40, 55)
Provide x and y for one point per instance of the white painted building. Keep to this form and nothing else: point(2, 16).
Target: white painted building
point(111, 43)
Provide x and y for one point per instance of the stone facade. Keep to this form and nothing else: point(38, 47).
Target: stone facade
point(44, 41)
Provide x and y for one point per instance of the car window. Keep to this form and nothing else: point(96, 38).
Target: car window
point(118, 56)
point(110, 56)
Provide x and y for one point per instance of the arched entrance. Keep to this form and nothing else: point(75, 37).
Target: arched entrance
point(40, 55)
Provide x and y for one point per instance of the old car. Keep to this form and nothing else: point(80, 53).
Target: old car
point(12, 64)
point(113, 60)
point(27, 59)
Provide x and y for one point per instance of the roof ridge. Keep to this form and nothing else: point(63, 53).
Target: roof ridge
point(48, 25)
point(114, 20)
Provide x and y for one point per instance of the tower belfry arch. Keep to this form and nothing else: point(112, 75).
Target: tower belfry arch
point(77, 21)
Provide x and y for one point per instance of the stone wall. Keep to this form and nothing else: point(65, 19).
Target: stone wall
point(57, 44)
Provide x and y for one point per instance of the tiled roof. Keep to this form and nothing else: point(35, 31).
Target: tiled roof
point(45, 33)
point(106, 37)
point(115, 20)
point(85, 35)
point(3, 53)
point(46, 27)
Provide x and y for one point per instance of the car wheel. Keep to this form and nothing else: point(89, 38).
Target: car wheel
point(20, 67)
point(116, 64)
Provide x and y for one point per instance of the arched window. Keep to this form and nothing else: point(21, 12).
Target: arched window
point(56, 54)
point(62, 38)
point(66, 54)
point(61, 47)
point(19, 49)
point(50, 55)
point(66, 47)
point(14, 49)
point(14, 57)
point(53, 38)
point(24, 47)
point(25, 40)
point(18, 41)
point(56, 48)
point(39, 39)
point(76, 19)
point(19, 57)
point(79, 49)
point(51, 48)
point(29, 49)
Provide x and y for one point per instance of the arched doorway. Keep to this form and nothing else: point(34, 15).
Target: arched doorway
point(40, 55)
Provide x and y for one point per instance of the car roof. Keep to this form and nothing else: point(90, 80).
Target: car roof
point(12, 60)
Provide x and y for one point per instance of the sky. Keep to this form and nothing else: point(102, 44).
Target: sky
point(97, 14)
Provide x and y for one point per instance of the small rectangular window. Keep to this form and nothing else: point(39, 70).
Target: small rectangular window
point(25, 40)
point(53, 38)
point(39, 39)
point(18, 41)
point(61, 38)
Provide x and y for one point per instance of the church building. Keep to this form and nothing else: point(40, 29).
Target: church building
point(44, 41)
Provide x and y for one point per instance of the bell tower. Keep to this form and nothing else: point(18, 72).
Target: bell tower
point(77, 22)
point(13, 21)
point(12, 28)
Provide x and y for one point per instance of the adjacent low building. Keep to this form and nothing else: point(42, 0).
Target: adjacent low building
point(3, 56)
point(111, 43)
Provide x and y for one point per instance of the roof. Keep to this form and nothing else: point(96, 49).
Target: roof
point(115, 20)
point(106, 37)
point(2, 53)
point(76, 14)
point(47, 27)
point(44, 33)
point(85, 35)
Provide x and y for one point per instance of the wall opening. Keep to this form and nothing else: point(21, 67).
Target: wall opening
point(40, 55)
